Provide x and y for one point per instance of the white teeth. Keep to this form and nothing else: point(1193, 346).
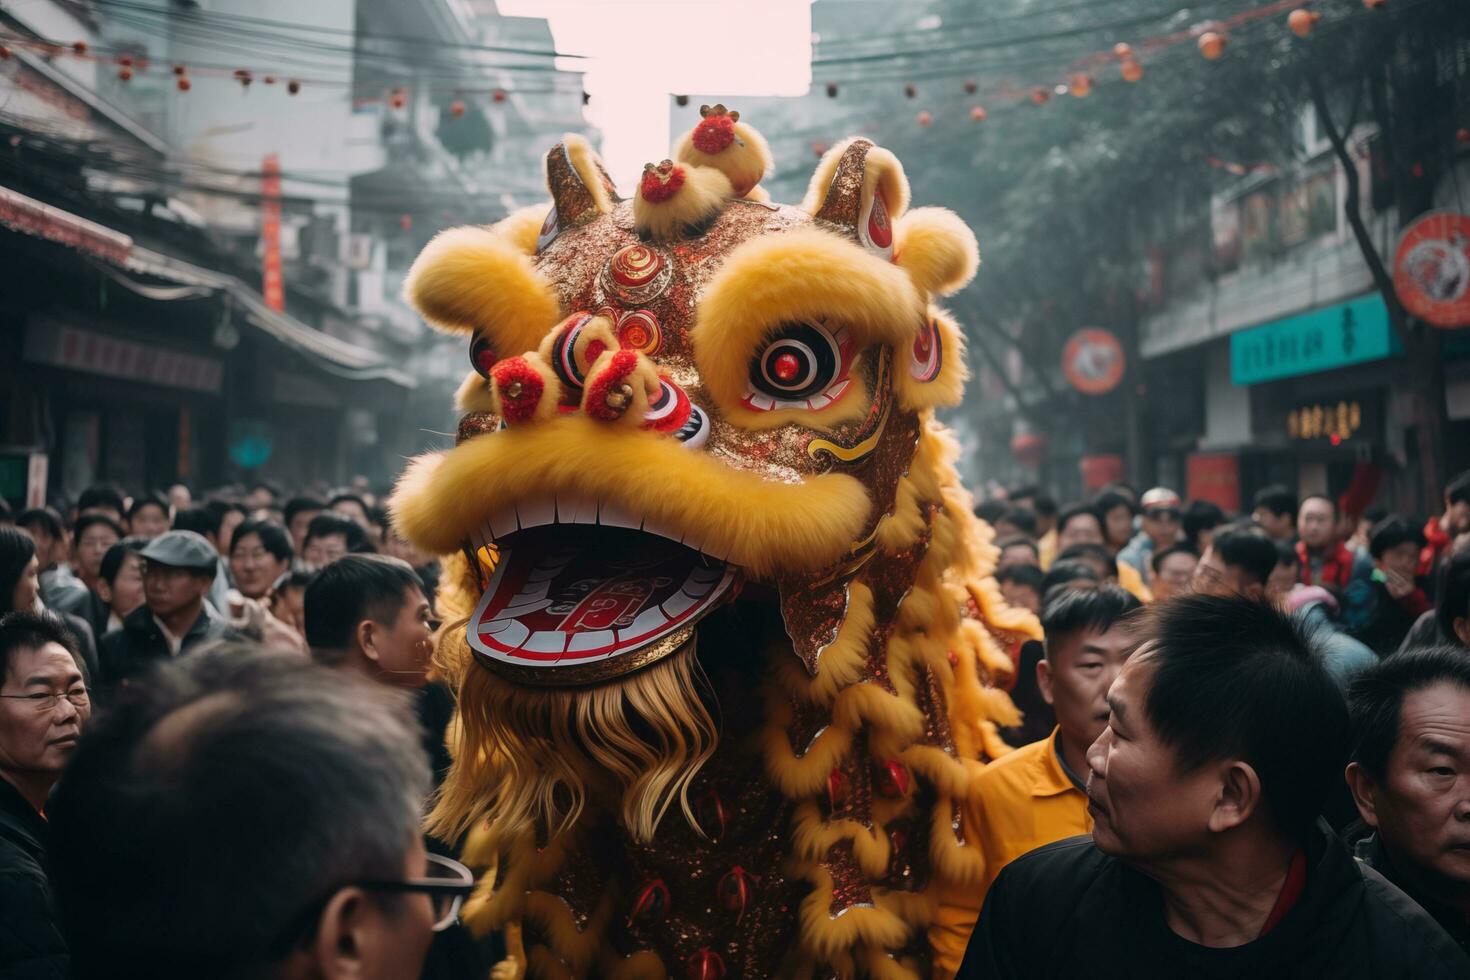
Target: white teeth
point(511, 636)
point(819, 402)
point(546, 641)
point(762, 402)
point(718, 553)
point(651, 526)
point(611, 515)
point(694, 539)
point(705, 576)
point(678, 603)
point(576, 509)
point(504, 523)
point(590, 641)
point(647, 621)
point(536, 513)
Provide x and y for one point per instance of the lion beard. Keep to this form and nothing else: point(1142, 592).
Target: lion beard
point(528, 758)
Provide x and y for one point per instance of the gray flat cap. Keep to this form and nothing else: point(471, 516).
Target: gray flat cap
point(182, 549)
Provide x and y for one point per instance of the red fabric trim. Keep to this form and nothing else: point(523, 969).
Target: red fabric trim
point(1337, 568)
point(595, 402)
point(1436, 541)
point(514, 369)
point(1291, 891)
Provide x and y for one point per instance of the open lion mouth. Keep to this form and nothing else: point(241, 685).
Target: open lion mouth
point(582, 593)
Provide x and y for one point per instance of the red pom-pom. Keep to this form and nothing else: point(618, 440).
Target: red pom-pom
point(293, 86)
point(713, 134)
point(660, 185)
point(520, 389)
point(184, 83)
point(600, 387)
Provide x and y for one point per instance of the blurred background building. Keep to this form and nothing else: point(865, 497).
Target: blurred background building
point(206, 214)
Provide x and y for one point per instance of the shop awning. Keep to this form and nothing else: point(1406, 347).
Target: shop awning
point(346, 360)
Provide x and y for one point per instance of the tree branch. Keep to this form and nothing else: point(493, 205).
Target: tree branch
point(1353, 211)
point(1022, 405)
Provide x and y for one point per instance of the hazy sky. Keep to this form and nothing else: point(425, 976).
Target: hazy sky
point(642, 51)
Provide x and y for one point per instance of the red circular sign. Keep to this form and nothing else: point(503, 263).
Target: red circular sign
point(1431, 269)
point(1093, 361)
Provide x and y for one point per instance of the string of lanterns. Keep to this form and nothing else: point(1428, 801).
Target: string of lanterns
point(130, 65)
point(1211, 38)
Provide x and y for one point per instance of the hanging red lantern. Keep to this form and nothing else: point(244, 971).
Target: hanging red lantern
point(1417, 170)
point(4, 52)
point(1301, 21)
point(1029, 449)
point(126, 61)
point(1081, 86)
point(924, 117)
point(293, 86)
point(1131, 70)
point(910, 90)
point(398, 100)
point(1463, 135)
point(971, 87)
point(1211, 45)
point(456, 108)
point(405, 221)
point(1039, 95)
point(831, 90)
point(269, 79)
point(184, 84)
point(977, 113)
point(243, 77)
point(1122, 51)
point(499, 96)
point(179, 69)
point(80, 47)
point(125, 74)
point(819, 147)
point(1375, 4)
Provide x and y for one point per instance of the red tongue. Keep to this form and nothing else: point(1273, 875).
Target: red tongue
point(563, 600)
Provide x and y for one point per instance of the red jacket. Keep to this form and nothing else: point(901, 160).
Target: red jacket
point(1437, 541)
point(1337, 567)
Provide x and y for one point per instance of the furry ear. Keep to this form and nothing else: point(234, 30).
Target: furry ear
point(937, 250)
point(861, 188)
point(579, 184)
point(522, 227)
point(932, 372)
point(472, 279)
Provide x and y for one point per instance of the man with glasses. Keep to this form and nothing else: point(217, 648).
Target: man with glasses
point(247, 814)
point(1162, 519)
point(43, 707)
point(174, 619)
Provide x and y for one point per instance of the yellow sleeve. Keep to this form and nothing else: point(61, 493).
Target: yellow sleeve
point(959, 906)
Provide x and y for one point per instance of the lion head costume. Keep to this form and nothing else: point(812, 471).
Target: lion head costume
point(723, 635)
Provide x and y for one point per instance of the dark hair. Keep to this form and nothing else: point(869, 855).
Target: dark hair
point(1286, 555)
point(1063, 571)
point(23, 629)
point(1375, 514)
point(101, 495)
point(5, 512)
point(326, 524)
point(1023, 519)
point(1376, 697)
point(297, 505)
point(87, 521)
point(347, 592)
point(1017, 539)
point(147, 500)
point(1277, 499)
point(1090, 609)
point(1453, 594)
point(1087, 550)
point(273, 538)
point(220, 506)
point(989, 511)
point(1107, 500)
point(1236, 678)
point(16, 551)
point(1163, 554)
point(314, 778)
point(343, 498)
point(1457, 491)
point(200, 520)
point(1320, 496)
point(1201, 515)
point(1391, 532)
point(1043, 505)
point(44, 517)
point(268, 486)
point(112, 562)
point(299, 579)
point(1248, 548)
point(1077, 510)
point(1025, 575)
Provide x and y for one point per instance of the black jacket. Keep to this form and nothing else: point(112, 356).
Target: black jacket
point(1068, 910)
point(31, 946)
point(1370, 851)
point(129, 651)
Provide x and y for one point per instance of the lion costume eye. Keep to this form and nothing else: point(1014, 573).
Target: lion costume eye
point(482, 356)
point(804, 365)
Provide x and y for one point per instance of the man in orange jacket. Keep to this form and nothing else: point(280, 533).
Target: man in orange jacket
point(1035, 795)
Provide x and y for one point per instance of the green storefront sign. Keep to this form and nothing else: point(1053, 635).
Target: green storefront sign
point(1335, 336)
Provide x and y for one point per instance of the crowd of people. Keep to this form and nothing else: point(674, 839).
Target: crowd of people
point(1242, 747)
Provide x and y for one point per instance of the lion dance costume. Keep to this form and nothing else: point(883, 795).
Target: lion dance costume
point(724, 637)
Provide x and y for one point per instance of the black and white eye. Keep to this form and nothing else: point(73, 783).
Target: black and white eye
point(804, 366)
point(482, 356)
